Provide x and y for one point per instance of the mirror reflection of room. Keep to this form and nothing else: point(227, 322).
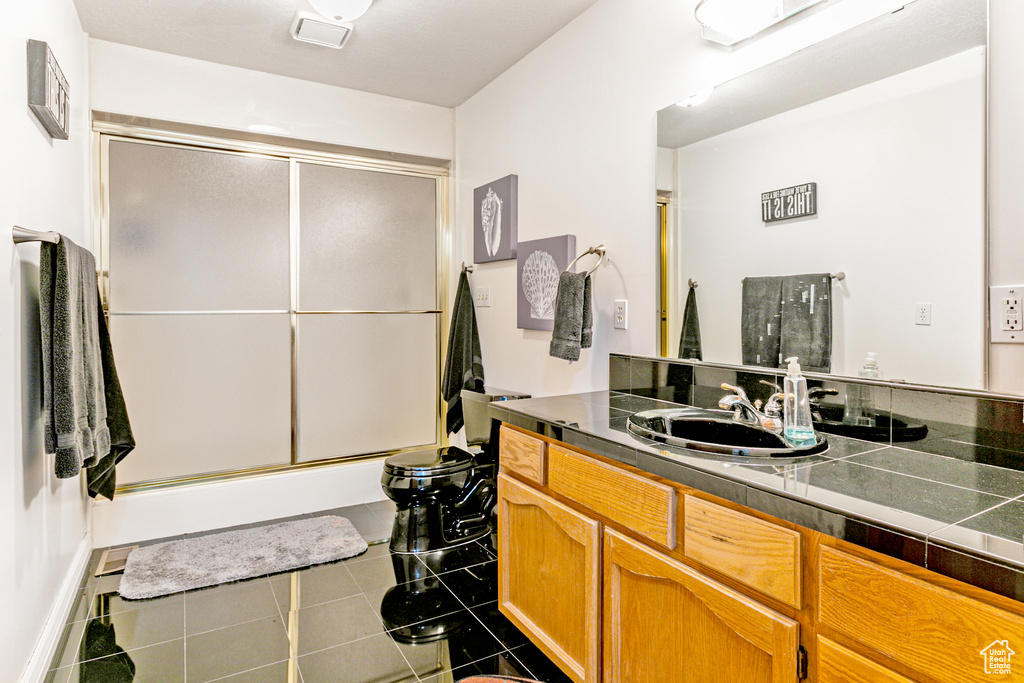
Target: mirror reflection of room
point(898, 163)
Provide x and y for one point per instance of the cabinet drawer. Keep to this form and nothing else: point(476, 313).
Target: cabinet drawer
point(524, 455)
point(759, 554)
point(930, 629)
point(836, 664)
point(639, 504)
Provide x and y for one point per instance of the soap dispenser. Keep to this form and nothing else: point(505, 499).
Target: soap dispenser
point(797, 429)
point(858, 396)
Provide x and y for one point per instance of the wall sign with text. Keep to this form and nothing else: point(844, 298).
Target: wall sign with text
point(791, 202)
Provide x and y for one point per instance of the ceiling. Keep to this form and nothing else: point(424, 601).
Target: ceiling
point(921, 33)
point(438, 51)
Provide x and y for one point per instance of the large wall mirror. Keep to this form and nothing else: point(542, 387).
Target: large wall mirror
point(889, 120)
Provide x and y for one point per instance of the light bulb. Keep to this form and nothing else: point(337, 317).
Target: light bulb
point(341, 10)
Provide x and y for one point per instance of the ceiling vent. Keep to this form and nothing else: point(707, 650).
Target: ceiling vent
point(313, 28)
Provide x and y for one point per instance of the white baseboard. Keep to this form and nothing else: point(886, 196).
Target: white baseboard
point(135, 517)
point(53, 627)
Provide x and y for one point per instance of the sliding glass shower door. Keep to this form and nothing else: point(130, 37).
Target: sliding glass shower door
point(268, 310)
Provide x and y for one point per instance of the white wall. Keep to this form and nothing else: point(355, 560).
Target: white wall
point(136, 82)
point(43, 186)
point(1006, 168)
point(575, 120)
point(870, 150)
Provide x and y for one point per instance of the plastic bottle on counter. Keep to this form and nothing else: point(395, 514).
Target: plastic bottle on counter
point(797, 426)
point(858, 409)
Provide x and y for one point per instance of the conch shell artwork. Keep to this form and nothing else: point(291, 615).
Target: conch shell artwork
point(490, 221)
point(540, 284)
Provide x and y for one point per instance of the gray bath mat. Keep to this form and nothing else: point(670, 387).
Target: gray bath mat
point(233, 555)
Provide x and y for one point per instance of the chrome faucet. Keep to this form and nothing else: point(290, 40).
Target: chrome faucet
point(745, 411)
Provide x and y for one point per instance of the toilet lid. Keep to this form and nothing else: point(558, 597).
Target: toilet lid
point(431, 461)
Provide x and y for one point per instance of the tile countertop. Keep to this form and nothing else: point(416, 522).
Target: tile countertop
point(957, 518)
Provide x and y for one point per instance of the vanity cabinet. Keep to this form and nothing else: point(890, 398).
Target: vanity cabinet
point(605, 606)
point(663, 621)
point(623, 577)
point(548, 576)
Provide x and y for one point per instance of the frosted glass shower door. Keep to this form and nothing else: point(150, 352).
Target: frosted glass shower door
point(366, 384)
point(367, 334)
point(367, 240)
point(196, 230)
point(199, 301)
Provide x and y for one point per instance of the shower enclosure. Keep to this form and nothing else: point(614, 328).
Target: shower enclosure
point(270, 307)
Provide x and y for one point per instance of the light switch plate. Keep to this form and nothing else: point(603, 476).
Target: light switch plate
point(482, 297)
point(1006, 319)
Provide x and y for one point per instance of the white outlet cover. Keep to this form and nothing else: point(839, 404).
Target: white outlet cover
point(996, 305)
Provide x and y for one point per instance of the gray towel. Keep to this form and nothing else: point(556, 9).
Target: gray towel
point(567, 333)
point(74, 406)
point(100, 476)
point(587, 335)
point(689, 336)
point(760, 322)
point(806, 330)
point(463, 365)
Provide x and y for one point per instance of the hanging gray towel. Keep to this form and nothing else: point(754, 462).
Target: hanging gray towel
point(689, 337)
point(587, 335)
point(567, 333)
point(463, 365)
point(806, 330)
point(74, 405)
point(760, 329)
point(100, 476)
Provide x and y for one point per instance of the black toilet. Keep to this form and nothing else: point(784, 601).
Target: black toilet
point(445, 496)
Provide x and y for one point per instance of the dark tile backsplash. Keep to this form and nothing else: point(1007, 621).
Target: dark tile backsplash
point(983, 430)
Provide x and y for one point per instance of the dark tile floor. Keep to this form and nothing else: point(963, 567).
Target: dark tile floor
point(376, 617)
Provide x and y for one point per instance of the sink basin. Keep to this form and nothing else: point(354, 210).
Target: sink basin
point(715, 431)
point(829, 418)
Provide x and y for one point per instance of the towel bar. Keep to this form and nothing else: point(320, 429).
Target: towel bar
point(599, 250)
point(24, 235)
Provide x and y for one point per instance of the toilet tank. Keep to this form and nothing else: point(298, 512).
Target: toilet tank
point(474, 410)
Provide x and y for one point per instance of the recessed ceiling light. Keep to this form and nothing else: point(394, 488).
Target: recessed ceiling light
point(312, 28)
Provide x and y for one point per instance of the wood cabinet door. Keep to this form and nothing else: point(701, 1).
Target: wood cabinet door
point(663, 621)
point(549, 577)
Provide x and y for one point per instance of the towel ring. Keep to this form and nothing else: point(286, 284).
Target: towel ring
point(599, 250)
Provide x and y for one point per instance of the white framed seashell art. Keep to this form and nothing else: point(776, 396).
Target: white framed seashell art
point(538, 265)
point(495, 219)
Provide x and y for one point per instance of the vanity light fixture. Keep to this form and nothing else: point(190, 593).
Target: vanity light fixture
point(313, 28)
point(341, 10)
point(730, 21)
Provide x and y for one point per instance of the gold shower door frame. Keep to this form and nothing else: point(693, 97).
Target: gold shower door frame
point(108, 128)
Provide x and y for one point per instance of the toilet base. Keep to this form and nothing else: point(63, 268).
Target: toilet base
point(420, 529)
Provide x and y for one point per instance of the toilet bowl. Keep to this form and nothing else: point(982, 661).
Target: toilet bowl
point(444, 497)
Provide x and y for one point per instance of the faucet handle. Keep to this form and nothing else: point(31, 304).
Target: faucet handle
point(773, 385)
point(773, 407)
point(736, 390)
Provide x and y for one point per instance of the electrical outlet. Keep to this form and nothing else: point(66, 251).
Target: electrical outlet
point(1005, 314)
point(482, 297)
point(923, 314)
point(621, 313)
point(1010, 319)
